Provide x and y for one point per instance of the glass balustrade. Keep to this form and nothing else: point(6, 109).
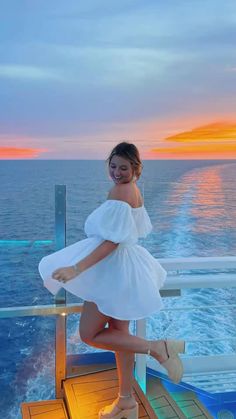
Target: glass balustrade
point(184, 225)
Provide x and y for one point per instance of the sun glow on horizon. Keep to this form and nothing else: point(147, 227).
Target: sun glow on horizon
point(14, 153)
point(216, 140)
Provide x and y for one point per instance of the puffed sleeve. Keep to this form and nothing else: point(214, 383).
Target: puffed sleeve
point(113, 220)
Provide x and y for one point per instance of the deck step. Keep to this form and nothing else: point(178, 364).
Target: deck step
point(161, 400)
point(46, 409)
point(191, 405)
point(85, 395)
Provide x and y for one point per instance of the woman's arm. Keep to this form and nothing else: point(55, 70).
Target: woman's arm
point(103, 250)
point(64, 274)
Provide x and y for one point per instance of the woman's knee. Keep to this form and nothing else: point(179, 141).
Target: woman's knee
point(121, 325)
point(91, 322)
point(86, 335)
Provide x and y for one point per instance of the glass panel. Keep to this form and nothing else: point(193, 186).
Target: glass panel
point(194, 215)
point(201, 323)
point(27, 362)
point(74, 342)
point(207, 330)
point(20, 279)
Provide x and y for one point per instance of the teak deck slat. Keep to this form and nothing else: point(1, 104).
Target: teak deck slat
point(161, 401)
point(46, 409)
point(192, 405)
point(175, 405)
point(86, 395)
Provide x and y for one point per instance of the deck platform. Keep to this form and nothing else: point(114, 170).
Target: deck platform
point(174, 405)
point(87, 394)
point(46, 409)
point(97, 386)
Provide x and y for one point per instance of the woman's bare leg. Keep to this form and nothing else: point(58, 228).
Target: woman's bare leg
point(94, 333)
point(92, 322)
point(125, 367)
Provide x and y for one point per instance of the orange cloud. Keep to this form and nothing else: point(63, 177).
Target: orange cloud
point(212, 132)
point(20, 153)
point(216, 140)
point(195, 152)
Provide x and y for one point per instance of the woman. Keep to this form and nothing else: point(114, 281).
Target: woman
point(118, 280)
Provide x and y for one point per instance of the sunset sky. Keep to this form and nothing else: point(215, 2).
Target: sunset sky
point(76, 78)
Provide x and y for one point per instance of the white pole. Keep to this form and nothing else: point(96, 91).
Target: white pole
point(140, 364)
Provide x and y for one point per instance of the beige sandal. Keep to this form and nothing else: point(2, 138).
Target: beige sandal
point(131, 413)
point(173, 364)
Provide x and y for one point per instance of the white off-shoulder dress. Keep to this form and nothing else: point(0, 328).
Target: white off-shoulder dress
point(125, 284)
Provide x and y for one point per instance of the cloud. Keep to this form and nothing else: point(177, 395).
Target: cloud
point(203, 149)
point(209, 141)
point(27, 72)
point(231, 69)
point(211, 133)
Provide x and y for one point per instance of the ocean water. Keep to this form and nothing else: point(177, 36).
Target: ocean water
point(192, 207)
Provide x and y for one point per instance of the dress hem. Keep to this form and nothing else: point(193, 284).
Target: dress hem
point(125, 319)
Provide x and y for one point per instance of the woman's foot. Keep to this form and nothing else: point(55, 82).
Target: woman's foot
point(118, 407)
point(166, 352)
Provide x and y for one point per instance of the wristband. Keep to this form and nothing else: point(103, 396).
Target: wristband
point(76, 269)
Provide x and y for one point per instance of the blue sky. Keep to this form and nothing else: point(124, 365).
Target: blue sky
point(78, 77)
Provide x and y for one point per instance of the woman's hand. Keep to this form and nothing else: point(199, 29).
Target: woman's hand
point(64, 274)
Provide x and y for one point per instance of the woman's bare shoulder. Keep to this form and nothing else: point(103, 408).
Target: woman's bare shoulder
point(127, 192)
point(118, 192)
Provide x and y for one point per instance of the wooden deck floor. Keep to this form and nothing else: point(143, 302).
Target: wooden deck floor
point(87, 394)
point(191, 405)
point(161, 401)
point(46, 409)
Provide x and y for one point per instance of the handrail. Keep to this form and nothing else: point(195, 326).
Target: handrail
point(63, 310)
point(222, 280)
point(42, 310)
point(199, 262)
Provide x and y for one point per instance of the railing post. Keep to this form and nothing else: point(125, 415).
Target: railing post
point(140, 364)
point(60, 341)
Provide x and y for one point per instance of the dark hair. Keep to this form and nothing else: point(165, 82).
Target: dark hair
point(130, 152)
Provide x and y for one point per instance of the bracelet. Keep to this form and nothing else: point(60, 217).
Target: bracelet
point(124, 397)
point(76, 269)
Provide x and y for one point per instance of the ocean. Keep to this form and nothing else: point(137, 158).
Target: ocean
point(192, 206)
